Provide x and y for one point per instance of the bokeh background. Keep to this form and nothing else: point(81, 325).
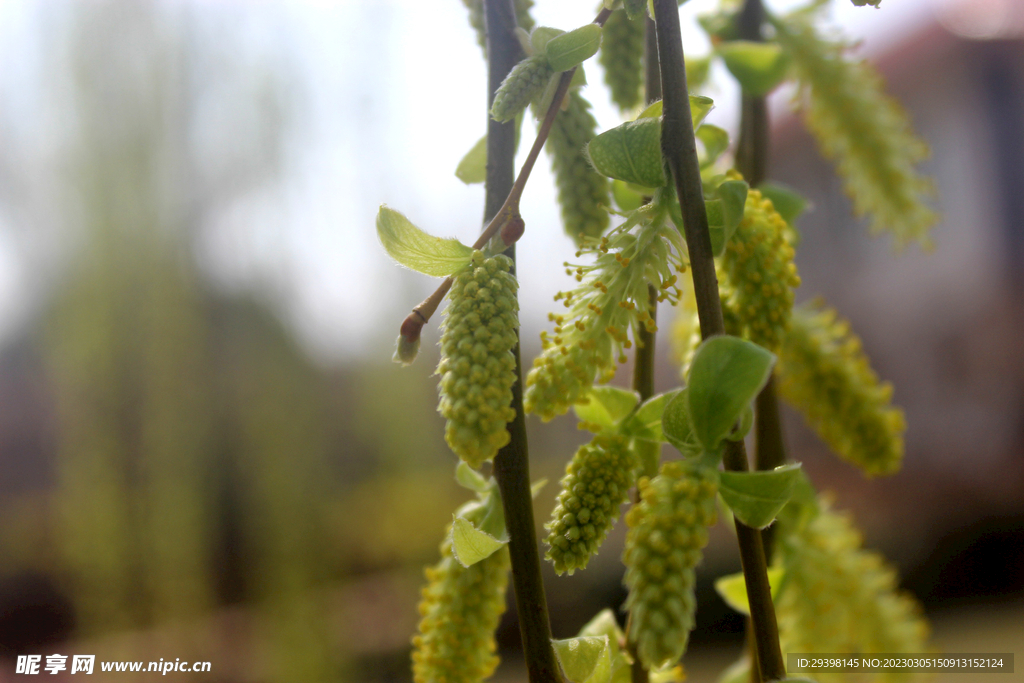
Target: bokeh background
point(205, 451)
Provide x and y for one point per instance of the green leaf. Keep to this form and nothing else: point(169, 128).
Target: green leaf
point(756, 497)
point(759, 67)
point(630, 152)
point(586, 659)
point(603, 624)
point(473, 167)
point(725, 376)
point(573, 48)
point(733, 194)
point(787, 201)
point(635, 8)
point(541, 36)
point(645, 423)
point(626, 198)
point(471, 479)
point(676, 425)
point(607, 406)
point(416, 250)
point(697, 69)
point(715, 141)
point(733, 588)
point(746, 422)
point(716, 225)
point(470, 544)
point(537, 486)
point(700, 107)
point(653, 111)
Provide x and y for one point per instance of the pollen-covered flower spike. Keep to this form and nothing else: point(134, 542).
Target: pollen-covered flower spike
point(583, 193)
point(596, 483)
point(524, 83)
point(839, 597)
point(667, 532)
point(611, 300)
point(824, 372)
point(760, 275)
point(477, 367)
point(622, 52)
point(460, 610)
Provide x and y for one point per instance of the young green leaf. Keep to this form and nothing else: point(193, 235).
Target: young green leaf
point(630, 152)
point(787, 201)
point(759, 67)
point(541, 36)
point(586, 659)
point(756, 497)
point(417, 250)
point(603, 624)
point(471, 479)
point(733, 588)
point(675, 423)
point(606, 406)
point(573, 48)
point(715, 141)
point(725, 376)
point(473, 167)
point(645, 423)
point(700, 107)
point(470, 544)
point(634, 8)
point(626, 198)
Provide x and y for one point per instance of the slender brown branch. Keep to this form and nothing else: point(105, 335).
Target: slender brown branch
point(680, 153)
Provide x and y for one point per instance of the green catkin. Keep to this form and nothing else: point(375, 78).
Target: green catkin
point(839, 597)
point(760, 275)
point(667, 532)
point(596, 483)
point(524, 83)
point(460, 610)
point(824, 372)
point(866, 132)
point(583, 194)
point(622, 52)
point(477, 367)
point(476, 18)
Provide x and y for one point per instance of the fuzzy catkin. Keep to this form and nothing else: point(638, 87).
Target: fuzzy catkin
point(865, 131)
point(825, 374)
point(476, 18)
point(523, 84)
point(477, 367)
point(760, 273)
point(668, 530)
point(839, 597)
point(622, 52)
point(583, 194)
point(460, 609)
point(596, 483)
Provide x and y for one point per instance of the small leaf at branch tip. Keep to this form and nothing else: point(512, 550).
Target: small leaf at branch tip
point(473, 167)
point(418, 250)
point(733, 588)
point(573, 48)
point(470, 544)
point(513, 230)
point(470, 478)
point(585, 659)
point(406, 350)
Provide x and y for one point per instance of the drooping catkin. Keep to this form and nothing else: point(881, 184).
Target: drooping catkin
point(668, 530)
point(583, 193)
point(477, 367)
point(825, 374)
point(839, 597)
point(866, 132)
point(760, 275)
point(460, 609)
point(476, 18)
point(622, 52)
point(523, 84)
point(596, 483)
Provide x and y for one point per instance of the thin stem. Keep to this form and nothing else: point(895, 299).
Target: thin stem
point(680, 152)
point(512, 463)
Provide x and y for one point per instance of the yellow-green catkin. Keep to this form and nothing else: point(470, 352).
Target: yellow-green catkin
point(476, 18)
point(583, 193)
point(622, 52)
point(760, 275)
point(824, 372)
point(596, 483)
point(839, 597)
point(525, 82)
point(477, 367)
point(460, 609)
point(867, 133)
point(667, 532)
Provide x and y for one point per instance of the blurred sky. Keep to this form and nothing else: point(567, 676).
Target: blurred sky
point(383, 99)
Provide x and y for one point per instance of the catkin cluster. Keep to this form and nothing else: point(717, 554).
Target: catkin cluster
point(668, 530)
point(839, 597)
point(583, 194)
point(622, 52)
point(760, 275)
point(824, 372)
point(866, 132)
point(476, 18)
point(611, 300)
point(460, 609)
point(596, 483)
point(477, 367)
point(524, 83)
